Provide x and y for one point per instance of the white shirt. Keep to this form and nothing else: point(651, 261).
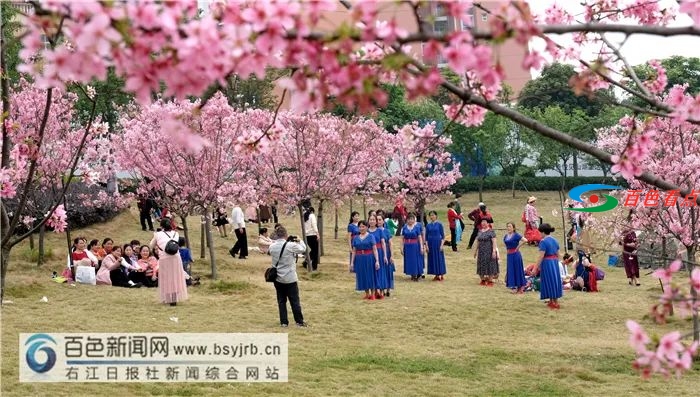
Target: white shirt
point(238, 219)
point(160, 240)
point(563, 271)
point(310, 226)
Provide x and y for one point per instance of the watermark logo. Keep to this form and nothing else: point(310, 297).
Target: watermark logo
point(633, 198)
point(37, 344)
point(610, 201)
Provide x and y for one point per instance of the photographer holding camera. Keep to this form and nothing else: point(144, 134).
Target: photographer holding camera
point(284, 253)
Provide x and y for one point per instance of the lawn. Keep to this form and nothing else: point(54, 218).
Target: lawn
point(454, 338)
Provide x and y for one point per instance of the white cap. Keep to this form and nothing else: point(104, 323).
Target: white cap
point(482, 205)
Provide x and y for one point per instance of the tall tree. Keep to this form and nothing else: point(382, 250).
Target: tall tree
point(552, 88)
point(314, 157)
point(678, 70)
point(493, 143)
point(188, 181)
point(420, 166)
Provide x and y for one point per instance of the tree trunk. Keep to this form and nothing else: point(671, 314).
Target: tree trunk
point(70, 256)
point(575, 163)
point(42, 233)
point(210, 244)
point(112, 184)
point(4, 261)
point(186, 230)
point(303, 237)
point(364, 207)
point(320, 229)
point(202, 239)
point(31, 242)
point(481, 187)
point(335, 230)
point(563, 222)
point(696, 321)
point(512, 187)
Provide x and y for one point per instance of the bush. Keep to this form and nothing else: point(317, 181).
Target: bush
point(79, 206)
point(532, 184)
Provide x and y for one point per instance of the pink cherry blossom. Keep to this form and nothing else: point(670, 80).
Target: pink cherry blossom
point(638, 338)
point(692, 8)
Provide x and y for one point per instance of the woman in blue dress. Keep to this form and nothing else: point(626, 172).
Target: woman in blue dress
point(435, 237)
point(412, 250)
point(389, 267)
point(515, 270)
point(353, 230)
point(548, 265)
point(380, 283)
point(365, 261)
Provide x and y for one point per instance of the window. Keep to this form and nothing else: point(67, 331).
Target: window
point(440, 10)
point(440, 26)
point(484, 16)
point(470, 24)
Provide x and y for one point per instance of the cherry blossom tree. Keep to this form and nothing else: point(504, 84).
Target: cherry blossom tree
point(670, 148)
point(161, 44)
point(320, 157)
point(420, 165)
point(37, 164)
point(189, 181)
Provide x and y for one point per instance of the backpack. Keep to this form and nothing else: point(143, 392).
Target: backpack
point(523, 218)
point(171, 247)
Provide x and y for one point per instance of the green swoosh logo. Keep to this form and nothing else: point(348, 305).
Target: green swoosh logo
point(610, 203)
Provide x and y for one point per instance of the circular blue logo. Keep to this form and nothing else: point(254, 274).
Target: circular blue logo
point(36, 344)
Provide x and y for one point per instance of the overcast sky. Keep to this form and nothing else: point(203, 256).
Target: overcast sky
point(639, 48)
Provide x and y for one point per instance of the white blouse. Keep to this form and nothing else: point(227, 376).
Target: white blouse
point(310, 226)
point(160, 240)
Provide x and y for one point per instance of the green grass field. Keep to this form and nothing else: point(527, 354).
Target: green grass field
point(429, 339)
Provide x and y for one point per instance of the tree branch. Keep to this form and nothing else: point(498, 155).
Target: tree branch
point(71, 173)
point(32, 170)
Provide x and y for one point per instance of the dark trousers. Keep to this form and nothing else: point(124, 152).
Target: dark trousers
point(475, 233)
point(313, 251)
point(273, 209)
point(118, 278)
point(453, 238)
point(291, 292)
point(146, 217)
point(241, 243)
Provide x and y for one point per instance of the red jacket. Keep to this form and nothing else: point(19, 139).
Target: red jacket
point(452, 217)
point(477, 216)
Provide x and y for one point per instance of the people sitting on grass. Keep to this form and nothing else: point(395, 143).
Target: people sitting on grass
point(148, 266)
point(106, 248)
point(111, 272)
point(81, 256)
point(264, 241)
point(586, 276)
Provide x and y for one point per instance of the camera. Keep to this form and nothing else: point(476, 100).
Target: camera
point(293, 239)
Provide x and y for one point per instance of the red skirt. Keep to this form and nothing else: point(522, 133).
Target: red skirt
point(532, 235)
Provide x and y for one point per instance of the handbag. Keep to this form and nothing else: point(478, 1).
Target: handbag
point(85, 275)
point(271, 272)
point(171, 247)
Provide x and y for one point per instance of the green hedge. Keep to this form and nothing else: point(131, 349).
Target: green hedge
point(533, 184)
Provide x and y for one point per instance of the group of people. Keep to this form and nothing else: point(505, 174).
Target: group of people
point(371, 245)
point(136, 265)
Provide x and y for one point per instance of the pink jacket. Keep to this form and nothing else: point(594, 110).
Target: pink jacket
point(109, 263)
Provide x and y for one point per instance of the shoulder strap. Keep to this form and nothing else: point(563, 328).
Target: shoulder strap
point(281, 251)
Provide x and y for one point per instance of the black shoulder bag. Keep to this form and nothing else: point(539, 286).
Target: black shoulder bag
point(171, 247)
point(271, 272)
